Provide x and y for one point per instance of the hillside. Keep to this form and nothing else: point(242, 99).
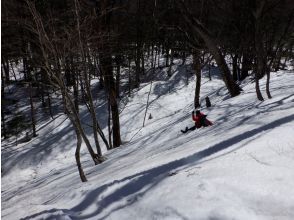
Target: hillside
point(240, 168)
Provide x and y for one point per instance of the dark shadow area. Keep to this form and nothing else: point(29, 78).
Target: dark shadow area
point(215, 72)
point(54, 214)
point(34, 153)
point(137, 185)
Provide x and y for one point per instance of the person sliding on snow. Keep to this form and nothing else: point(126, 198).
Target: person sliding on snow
point(200, 120)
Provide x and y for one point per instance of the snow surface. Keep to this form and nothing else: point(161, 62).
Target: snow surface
point(240, 168)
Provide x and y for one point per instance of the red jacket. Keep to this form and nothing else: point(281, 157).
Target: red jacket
point(200, 120)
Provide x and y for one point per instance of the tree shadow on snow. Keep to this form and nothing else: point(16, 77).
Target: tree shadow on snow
point(136, 186)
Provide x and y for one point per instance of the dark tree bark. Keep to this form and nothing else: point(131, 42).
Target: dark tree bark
point(259, 49)
point(245, 66)
point(118, 60)
point(33, 117)
point(268, 84)
point(129, 77)
point(235, 67)
point(77, 156)
point(197, 69)
point(143, 61)
point(109, 126)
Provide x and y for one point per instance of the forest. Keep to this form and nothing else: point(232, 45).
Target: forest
point(60, 47)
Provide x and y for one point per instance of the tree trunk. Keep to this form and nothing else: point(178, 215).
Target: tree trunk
point(171, 63)
point(139, 43)
point(117, 80)
point(245, 66)
point(268, 84)
point(259, 49)
point(158, 61)
point(183, 58)
point(257, 89)
point(33, 117)
point(152, 55)
point(209, 71)
point(49, 103)
point(235, 67)
point(76, 92)
point(147, 104)
point(143, 61)
point(197, 69)
point(77, 155)
point(130, 78)
point(109, 125)
point(109, 84)
point(167, 55)
point(138, 69)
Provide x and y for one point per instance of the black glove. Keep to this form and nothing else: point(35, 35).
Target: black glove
point(192, 112)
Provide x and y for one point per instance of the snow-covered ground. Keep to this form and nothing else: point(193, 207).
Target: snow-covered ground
point(240, 168)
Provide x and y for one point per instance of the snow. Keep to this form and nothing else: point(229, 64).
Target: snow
point(240, 168)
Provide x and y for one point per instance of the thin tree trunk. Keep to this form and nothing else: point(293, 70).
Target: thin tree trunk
point(143, 61)
point(154, 61)
point(77, 156)
point(76, 92)
point(138, 69)
point(197, 69)
point(109, 125)
point(158, 61)
point(110, 85)
point(268, 84)
point(115, 121)
point(49, 103)
point(117, 80)
point(152, 55)
point(235, 67)
point(147, 104)
point(139, 43)
point(33, 117)
point(257, 89)
point(171, 63)
point(167, 55)
point(209, 71)
point(183, 59)
point(245, 66)
point(130, 78)
point(259, 49)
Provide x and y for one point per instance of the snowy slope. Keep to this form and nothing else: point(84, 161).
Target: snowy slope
point(240, 168)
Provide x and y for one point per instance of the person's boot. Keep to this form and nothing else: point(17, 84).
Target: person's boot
point(184, 131)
